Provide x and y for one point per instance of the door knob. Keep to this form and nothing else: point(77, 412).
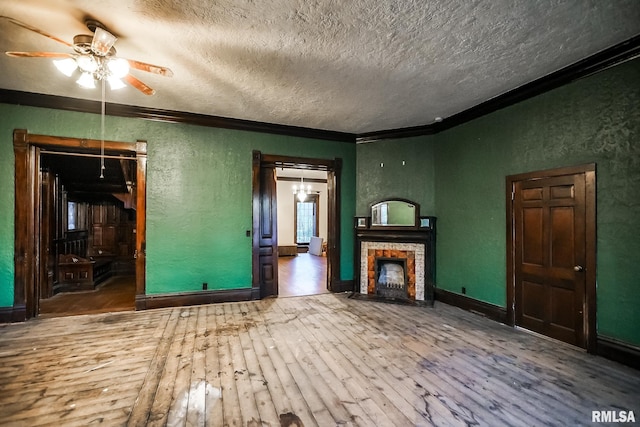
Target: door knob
point(578, 268)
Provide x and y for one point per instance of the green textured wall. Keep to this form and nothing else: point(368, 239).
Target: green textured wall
point(593, 120)
point(198, 194)
point(596, 119)
point(413, 180)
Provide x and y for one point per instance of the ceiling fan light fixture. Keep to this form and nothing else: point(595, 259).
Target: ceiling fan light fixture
point(86, 81)
point(115, 83)
point(102, 42)
point(87, 63)
point(66, 66)
point(118, 67)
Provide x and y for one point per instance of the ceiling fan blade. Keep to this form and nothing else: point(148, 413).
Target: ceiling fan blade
point(156, 69)
point(36, 30)
point(139, 85)
point(39, 55)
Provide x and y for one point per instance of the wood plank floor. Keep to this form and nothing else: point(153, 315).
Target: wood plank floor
point(304, 274)
point(115, 294)
point(322, 360)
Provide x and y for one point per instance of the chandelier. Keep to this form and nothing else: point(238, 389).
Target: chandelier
point(95, 59)
point(302, 191)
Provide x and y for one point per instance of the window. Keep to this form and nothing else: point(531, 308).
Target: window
point(72, 216)
point(306, 219)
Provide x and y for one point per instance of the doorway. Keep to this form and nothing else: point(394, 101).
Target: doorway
point(34, 214)
point(302, 231)
point(265, 214)
point(551, 253)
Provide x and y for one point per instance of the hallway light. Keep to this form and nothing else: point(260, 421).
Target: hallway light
point(301, 192)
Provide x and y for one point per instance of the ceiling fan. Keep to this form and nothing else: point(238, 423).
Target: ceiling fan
point(94, 57)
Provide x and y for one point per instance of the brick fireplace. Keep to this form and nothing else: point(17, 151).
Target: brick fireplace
point(373, 254)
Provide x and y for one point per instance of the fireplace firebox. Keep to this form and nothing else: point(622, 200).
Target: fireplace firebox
point(391, 277)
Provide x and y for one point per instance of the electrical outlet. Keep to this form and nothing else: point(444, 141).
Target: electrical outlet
point(204, 286)
point(464, 290)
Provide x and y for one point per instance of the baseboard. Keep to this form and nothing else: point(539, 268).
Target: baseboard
point(619, 351)
point(342, 286)
point(182, 299)
point(287, 250)
point(13, 314)
point(491, 311)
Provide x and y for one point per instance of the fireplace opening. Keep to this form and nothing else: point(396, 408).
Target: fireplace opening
point(391, 277)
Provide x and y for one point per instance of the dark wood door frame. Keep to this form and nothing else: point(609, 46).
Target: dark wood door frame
point(334, 170)
point(589, 308)
point(27, 207)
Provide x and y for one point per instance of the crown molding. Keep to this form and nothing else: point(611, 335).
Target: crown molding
point(86, 106)
point(622, 52)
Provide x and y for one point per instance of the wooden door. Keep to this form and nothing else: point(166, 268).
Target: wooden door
point(268, 234)
point(550, 226)
point(48, 227)
point(140, 251)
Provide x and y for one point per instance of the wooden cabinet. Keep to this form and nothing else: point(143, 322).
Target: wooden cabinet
point(74, 273)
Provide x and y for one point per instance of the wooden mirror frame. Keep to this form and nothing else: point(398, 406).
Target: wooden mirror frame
point(416, 215)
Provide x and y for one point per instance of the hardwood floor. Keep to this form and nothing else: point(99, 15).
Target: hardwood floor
point(304, 274)
point(322, 360)
point(115, 294)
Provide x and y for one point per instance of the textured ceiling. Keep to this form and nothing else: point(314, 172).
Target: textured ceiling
point(352, 66)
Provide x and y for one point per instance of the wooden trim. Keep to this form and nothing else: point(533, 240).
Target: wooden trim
point(343, 286)
point(14, 314)
point(278, 161)
point(307, 180)
point(131, 111)
point(334, 206)
point(255, 242)
point(27, 207)
point(183, 299)
point(598, 62)
point(485, 309)
point(141, 217)
point(619, 351)
point(590, 325)
point(24, 248)
point(590, 309)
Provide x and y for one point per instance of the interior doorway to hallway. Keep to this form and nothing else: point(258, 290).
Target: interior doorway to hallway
point(302, 203)
point(67, 238)
point(265, 220)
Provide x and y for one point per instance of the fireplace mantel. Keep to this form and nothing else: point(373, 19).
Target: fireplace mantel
point(415, 243)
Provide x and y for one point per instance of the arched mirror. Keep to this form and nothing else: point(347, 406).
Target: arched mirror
point(394, 213)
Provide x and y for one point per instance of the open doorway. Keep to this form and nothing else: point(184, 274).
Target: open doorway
point(87, 233)
point(302, 231)
point(76, 230)
point(265, 224)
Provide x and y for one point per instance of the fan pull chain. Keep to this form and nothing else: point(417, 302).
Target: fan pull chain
point(102, 114)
